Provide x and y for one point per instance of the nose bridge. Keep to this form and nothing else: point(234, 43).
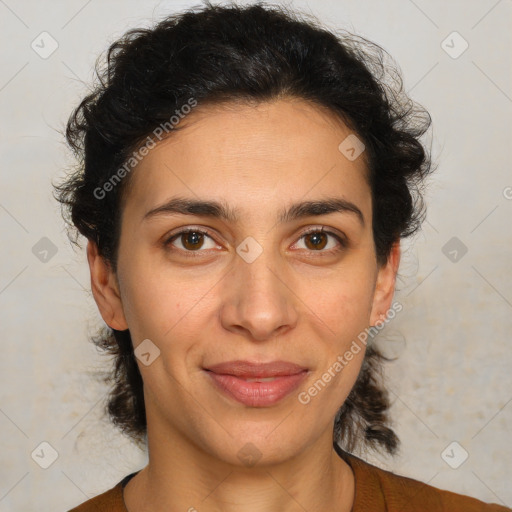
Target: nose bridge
point(258, 299)
point(260, 279)
point(261, 275)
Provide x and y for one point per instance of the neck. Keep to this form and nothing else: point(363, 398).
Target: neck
point(181, 476)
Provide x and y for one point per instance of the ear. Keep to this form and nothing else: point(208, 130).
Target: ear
point(385, 285)
point(105, 289)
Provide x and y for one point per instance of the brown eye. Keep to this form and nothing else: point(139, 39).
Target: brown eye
point(191, 240)
point(317, 240)
point(323, 242)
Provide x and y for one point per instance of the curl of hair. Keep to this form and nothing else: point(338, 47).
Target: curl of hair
point(229, 54)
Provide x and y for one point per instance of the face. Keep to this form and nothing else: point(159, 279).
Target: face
point(265, 282)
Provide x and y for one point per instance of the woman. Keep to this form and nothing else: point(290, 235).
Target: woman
point(245, 180)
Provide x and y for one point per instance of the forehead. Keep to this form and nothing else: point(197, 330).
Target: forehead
point(279, 151)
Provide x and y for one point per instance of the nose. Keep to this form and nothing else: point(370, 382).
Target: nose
point(258, 299)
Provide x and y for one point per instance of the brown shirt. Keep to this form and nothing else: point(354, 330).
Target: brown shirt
point(376, 490)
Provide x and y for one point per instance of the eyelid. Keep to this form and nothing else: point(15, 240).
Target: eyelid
point(324, 229)
point(194, 229)
point(339, 236)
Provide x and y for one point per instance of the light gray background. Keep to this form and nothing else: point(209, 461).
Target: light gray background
point(453, 380)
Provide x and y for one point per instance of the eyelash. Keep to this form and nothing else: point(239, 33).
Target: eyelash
point(341, 240)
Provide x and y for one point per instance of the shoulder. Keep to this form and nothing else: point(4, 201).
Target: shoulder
point(378, 489)
point(109, 501)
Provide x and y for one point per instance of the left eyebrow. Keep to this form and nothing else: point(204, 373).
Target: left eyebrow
point(215, 209)
point(320, 207)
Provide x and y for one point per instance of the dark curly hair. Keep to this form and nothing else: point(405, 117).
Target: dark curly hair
point(252, 54)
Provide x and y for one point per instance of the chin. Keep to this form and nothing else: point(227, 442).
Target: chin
point(254, 449)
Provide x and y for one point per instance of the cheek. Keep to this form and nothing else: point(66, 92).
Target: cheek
point(340, 316)
point(159, 305)
point(342, 301)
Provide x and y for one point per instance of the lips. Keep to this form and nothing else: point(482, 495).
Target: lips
point(256, 384)
point(250, 370)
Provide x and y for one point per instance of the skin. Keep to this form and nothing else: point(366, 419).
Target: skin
point(295, 302)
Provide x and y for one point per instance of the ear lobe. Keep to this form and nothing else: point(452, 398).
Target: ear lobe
point(105, 289)
point(385, 285)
